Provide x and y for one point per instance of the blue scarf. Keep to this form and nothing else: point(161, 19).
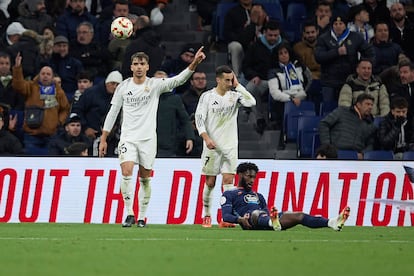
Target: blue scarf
point(47, 90)
point(340, 39)
point(268, 46)
point(291, 77)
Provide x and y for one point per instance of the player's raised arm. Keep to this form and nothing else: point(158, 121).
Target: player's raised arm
point(198, 58)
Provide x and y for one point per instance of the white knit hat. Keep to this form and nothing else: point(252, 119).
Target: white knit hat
point(15, 28)
point(114, 76)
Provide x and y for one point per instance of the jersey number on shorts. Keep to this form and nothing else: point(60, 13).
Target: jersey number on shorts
point(207, 159)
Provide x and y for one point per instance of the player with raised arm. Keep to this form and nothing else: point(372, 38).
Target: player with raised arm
point(249, 208)
point(216, 122)
point(138, 98)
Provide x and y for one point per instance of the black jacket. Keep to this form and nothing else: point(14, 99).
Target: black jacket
point(389, 131)
point(58, 144)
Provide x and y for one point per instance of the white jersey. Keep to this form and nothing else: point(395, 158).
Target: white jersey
point(217, 115)
point(139, 103)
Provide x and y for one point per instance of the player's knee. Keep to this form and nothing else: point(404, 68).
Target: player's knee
point(255, 215)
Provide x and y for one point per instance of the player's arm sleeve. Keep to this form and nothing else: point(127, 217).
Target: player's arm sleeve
point(168, 84)
point(201, 114)
point(116, 105)
point(246, 99)
point(227, 209)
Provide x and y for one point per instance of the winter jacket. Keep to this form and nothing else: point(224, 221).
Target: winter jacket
point(9, 144)
point(344, 129)
point(386, 55)
point(389, 131)
point(53, 117)
point(355, 87)
point(59, 143)
point(67, 23)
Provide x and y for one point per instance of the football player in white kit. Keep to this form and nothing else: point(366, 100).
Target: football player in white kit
point(138, 98)
point(216, 122)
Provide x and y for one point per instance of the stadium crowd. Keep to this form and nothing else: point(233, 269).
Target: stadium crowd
point(60, 65)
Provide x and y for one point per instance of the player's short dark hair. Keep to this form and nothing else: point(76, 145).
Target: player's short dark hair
point(76, 148)
point(398, 102)
point(245, 166)
point(140, 56)
point(223, 69)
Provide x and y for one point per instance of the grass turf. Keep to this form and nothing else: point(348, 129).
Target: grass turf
point(108, 249)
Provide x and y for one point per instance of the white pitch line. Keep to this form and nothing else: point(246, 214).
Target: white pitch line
point(209, 240)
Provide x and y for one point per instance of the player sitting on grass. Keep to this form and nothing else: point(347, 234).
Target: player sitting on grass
point(249, 209)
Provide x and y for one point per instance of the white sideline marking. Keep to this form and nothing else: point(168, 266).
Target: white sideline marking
point(209, 240)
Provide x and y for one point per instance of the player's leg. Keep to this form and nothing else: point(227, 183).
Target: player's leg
point(290, 219)
point(337, 223)
point(210, 168)
point(146, 154)
point(127, 154)
point(228, 169)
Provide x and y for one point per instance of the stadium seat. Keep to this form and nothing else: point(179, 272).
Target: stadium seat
point(327, 107)
point(290, 118)
point(348, 154)
point(273, 9)
point(308, 126)
point(378, 120)
point(408, 155)
point(378, 155)
point(316, 142)
point(218, 19)
point(295, 17)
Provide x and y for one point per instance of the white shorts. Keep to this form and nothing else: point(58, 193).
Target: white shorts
point(142, 152)
point(219, 162)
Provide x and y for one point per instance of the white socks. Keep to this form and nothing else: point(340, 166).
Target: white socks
point(207, 199)
point(144, 195)
point(127, 194)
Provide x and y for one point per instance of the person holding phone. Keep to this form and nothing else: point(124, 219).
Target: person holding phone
point(216, 122)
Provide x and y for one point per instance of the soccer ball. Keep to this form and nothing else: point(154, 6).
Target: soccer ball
point(121, 27)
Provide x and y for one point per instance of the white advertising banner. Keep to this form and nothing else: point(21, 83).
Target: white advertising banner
point(86, 190)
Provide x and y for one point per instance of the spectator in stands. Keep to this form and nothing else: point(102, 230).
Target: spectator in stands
point(197, 143)
point(323, 14)
point(242, 25)
point(378, 11)
point(326, 151)
point(260, 57)
point(172, 120)
point(77, 149)
point(7, 95)
point(120, 8)
point(350, 128)
point(84, 81)
point(46, 107)
point(13, 33)
point(74, 14)
point(402, 29)
point(66, 66)
point(153, 8)
point(305, 51)
point(46, 45)
point(338, 52)
point(360, 22)
point(33, 15)
point(387, 52)
point(72, 134)
point(174, 66)
point(95, 58)
point(365, 82)
point(191, 96)
point(148, 41)
point(95, 103)
point(205, 10)
point(9, 144)
point(396, 131)
point(405, 87)
point(287, 81)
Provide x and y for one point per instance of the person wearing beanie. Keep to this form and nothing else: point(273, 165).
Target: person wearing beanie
point(33, 15)
point(138, 97)
point(94, 104)
point(338, 52)
point(173, 66)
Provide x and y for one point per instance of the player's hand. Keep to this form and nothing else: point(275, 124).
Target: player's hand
point(102, 148)
point(235, 81)
point(199, 56)
point(210, 144)
point(244, 222)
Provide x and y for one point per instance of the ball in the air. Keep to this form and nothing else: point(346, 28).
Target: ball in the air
point(121, 27)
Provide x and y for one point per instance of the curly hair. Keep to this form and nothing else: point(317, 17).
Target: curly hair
point(245, 166)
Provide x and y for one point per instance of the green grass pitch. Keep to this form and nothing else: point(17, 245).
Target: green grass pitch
point(108, 249)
